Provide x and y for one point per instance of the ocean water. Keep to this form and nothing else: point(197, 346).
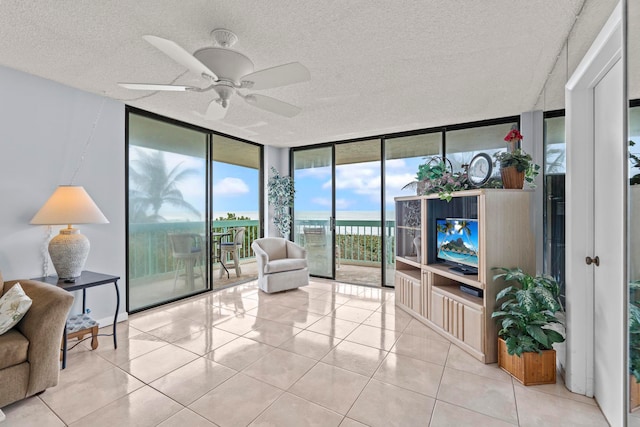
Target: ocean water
point(457, 257)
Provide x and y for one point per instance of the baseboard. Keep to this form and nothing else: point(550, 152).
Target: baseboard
point(108, 321)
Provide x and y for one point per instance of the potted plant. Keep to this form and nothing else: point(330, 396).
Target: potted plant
point(526, 313)
point(433, 169)
point(516, 167)
point(436, 176)
point(280, 192)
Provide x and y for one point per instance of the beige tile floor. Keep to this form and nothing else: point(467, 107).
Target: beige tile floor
point(148, 291)
point(329, 354)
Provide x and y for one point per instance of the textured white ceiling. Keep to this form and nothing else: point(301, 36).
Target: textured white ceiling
point(376, 66)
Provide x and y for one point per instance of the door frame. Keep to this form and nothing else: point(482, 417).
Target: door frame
point(603, 54)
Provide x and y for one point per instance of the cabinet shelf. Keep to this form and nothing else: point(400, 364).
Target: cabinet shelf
point(443, 270)
point(454, 292)
point(411, 274)
point(411, 260)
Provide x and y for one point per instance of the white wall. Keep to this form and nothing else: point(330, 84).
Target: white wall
point(44, 129)
point(277, 157)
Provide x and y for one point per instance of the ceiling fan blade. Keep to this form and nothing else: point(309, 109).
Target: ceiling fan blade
point(281, 75)
point(180, 55)
point(146, 86)
point(215, 111)
point(273, 105)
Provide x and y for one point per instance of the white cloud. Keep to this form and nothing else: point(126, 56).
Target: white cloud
point(230, 187)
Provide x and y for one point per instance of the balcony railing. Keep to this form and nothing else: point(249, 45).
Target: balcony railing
point(359, 242)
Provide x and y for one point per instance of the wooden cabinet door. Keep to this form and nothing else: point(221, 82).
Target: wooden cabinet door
point(460, 320)
point(438, 302)
point(472, 327)
point(416, 300)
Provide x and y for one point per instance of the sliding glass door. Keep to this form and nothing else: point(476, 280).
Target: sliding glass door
point(359, 231)
point(337, 210)
point(167, 201)
point(313, 208)
point(235, 198)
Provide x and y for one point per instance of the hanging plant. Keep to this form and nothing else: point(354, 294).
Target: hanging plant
point(280, 192)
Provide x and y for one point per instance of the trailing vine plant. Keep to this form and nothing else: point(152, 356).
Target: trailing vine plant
point(280, 192)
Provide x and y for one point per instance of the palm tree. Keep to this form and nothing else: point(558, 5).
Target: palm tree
point(153, 185)
point(464, 227)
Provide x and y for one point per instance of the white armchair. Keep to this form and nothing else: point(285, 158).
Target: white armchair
point(282, 265)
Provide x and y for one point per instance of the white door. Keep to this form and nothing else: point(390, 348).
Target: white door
point(608, 219)
point(595, 186)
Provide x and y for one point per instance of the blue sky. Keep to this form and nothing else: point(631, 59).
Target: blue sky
point(236, 188)
point(357, 185)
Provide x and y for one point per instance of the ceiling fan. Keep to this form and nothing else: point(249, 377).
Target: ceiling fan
point(226, 71)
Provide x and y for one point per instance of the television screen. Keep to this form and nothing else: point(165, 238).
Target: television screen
point(457, 241)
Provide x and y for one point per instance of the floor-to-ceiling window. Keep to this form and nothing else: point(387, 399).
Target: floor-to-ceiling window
point(463, 144)
point(167, 211)
point(313, 215)
point(359, 243)
point(354, 180)
point(189, 191)
point(236, 215)
point(402, 156)
point(554, 201)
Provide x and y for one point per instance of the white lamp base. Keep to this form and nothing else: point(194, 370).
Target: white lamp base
point(68, 252)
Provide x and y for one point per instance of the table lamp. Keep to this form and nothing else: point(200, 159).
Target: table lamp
point(69, 204)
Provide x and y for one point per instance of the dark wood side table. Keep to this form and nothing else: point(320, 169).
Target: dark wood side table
point(87, 279)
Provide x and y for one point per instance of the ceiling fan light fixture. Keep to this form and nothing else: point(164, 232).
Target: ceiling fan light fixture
point(224, 38)
point(227, 70)
point(224, 92)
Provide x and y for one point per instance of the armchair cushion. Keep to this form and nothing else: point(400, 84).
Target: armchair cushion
point(13, 306)
point(288, 264)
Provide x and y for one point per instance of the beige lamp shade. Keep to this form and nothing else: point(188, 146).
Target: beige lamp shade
point(69, 204)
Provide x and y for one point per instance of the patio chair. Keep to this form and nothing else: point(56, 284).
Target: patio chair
point(188, 251)
point(316, 243)
point(232, 248)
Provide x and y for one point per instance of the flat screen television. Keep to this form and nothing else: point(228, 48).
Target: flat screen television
point(457, 244)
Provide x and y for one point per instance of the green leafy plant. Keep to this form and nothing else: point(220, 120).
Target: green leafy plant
point(446, 185)
point(280, 193)
point(436, 176)
point(521, 161)
point(527, 310)
point(435, 168)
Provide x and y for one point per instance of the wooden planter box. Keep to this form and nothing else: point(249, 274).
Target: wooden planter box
point(511, 178)
point(634, 393)
point(531, 368)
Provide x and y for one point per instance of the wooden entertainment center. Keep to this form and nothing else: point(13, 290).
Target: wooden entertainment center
point(431, 292)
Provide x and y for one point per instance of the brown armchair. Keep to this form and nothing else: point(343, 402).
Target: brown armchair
point(30, 352)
